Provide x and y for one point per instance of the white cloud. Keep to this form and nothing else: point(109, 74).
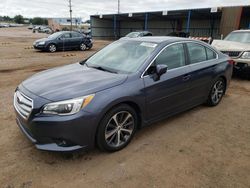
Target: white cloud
point(59, 8)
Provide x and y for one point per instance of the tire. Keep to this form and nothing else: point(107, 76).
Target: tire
point(217, 92)
point(117, 128)
point(52, 48)
point(89, 46)
point(82, 47)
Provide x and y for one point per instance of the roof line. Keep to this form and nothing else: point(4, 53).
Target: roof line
point(172, 10)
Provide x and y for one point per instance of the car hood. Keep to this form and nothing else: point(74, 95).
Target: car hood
point(43, 40)
point(223, 45)
point(71, 81)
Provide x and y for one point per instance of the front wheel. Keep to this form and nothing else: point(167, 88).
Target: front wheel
point(217, 91)
point(52, 48)
point(117, 128)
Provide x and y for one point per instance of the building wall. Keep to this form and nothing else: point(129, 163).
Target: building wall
point(230, 20)
point(226, 21)
point(203, 28)
point(129, 26)
point(102, 28)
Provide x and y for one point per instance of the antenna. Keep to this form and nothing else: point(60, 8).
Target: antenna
point(70, 12)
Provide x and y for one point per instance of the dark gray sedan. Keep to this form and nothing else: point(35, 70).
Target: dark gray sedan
point(64, 40)
point(127, 85)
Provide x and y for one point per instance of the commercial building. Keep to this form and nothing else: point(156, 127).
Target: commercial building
point(205, 22)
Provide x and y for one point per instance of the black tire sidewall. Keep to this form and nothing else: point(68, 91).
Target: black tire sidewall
point(100, 136)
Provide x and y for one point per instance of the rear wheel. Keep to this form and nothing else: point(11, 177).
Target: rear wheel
point(52, 48)
point(217, 91)
point(117, 128)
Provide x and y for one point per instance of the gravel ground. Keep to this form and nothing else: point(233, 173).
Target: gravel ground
point(203, 147)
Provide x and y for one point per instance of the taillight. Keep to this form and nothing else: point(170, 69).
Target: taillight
point(231, 62)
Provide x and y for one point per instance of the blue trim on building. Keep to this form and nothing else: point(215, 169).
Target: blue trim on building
point(188, 21)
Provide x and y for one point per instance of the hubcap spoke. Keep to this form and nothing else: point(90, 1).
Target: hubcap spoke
point(118, 138)
point(115, 119)
point(218, 91)
point(126, 130)
point(126, 119)
point(110, 133)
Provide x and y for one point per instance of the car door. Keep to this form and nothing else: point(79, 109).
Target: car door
point(169, 94)
point(66, 41)
point(76, 39)
point(202, 65)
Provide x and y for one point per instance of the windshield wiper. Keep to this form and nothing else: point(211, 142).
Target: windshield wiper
point(103, 69)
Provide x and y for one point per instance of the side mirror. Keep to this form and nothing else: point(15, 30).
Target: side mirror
point(59, 38)
point(159, 71)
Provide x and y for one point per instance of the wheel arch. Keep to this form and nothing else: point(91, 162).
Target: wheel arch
point(130, 103)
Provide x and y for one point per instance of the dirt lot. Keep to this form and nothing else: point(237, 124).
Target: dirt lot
point(204, 147)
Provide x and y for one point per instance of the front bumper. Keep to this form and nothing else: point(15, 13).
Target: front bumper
point(58, 133)
point(39, 47)
point(49, 146)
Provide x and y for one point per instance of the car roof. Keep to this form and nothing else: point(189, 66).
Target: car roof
point(158, 39)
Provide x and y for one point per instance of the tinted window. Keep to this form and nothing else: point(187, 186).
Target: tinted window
point(210, 54)
point(197, 53)
point(76, 35)
point(173, 56)
point(66, 35)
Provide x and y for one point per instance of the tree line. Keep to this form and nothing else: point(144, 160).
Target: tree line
point(19, 19)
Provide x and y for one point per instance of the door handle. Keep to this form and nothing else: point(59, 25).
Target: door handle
point(186, 77)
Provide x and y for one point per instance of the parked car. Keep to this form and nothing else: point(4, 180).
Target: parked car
point(47, 30)
point(30, 27)
point(64, 40)
point(237, 46)
point(136, 34)
point(129, 84)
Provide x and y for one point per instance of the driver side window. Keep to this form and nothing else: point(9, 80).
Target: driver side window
point(173, 56)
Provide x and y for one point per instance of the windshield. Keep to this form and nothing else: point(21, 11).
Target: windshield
point(122, 56)
point(243, 37)
point(55, 35)
point(133, 34)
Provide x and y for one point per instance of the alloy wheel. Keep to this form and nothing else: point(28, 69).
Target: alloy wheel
point(83, 47)
point(119, 129)
point(217, 91)
point(52, 48)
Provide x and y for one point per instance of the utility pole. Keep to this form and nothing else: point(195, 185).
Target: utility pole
point(118, 6)
point(70, 12)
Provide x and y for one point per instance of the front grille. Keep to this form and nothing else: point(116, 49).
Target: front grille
point(23, 104)
point(232, 53)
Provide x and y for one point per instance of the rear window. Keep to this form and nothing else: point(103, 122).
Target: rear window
point(76, 35)
point(210, 54)
point(197, 53)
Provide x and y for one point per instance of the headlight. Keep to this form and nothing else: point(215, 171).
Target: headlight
point(67, 107)
point(41, 43)
point(245, 55)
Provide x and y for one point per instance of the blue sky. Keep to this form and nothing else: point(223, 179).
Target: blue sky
point(84, 8)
